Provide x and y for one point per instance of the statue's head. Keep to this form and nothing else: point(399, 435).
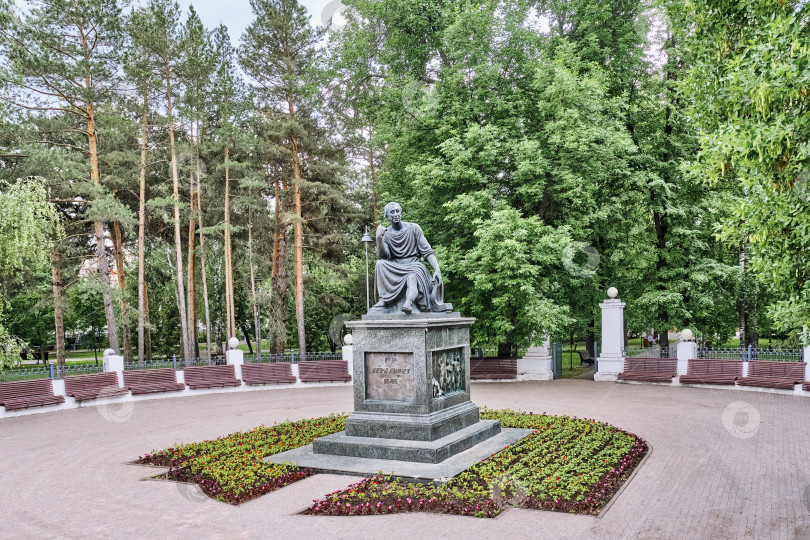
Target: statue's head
point(393, 212)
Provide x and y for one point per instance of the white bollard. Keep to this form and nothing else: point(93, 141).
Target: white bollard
point(611, 360)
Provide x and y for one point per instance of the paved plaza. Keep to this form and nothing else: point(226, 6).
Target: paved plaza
point(724, 464)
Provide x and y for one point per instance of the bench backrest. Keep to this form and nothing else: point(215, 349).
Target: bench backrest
point(147, 377)
point(324, 366)
point(787, 370)
point(273, 369)
point(651, 364)
point(95, 381)
point(713, 366)
point(19, 389)
point(208, 373)
point(500, 364)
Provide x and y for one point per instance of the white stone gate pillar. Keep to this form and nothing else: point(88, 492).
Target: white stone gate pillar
point(611, 356)
point(537, 364)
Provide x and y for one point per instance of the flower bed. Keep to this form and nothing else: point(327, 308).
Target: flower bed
point(567, 464)
point(230, 469)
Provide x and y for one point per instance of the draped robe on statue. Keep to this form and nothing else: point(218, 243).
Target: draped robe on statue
point(406, 249)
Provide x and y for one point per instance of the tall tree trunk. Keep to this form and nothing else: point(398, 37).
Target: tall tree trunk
point(298, 240)
point(202, 263)
point(95, 177)
point(103, 268)
point(229, 296)
point(191, 280)
point(142, 236)
point(147, 338)
point(178, 248)
point(661, 222)
point(256, 328)
point(58, 310)
point(279, 304)
point(118, 242)
point(373, 181)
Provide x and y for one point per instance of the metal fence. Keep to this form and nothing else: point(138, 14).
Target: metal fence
point(175, 363)
point(51, 371)
point(752, 353)
point(292, 358)
point(650, 352)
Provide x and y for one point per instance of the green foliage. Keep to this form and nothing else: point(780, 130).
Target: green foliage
point(28, 225)
point(28, 222)
point(754, 133)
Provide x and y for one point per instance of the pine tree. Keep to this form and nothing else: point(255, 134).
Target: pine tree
point(163, 40)
point(66, 55)
point(279, 52)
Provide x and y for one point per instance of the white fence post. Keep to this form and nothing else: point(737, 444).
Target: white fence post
point(611, 358)
point(807, 367)
point(234, 357)
point(347, 351)
point(113, 362)
point(686, 350)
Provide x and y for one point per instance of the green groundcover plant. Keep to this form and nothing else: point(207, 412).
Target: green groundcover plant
point(566, 464)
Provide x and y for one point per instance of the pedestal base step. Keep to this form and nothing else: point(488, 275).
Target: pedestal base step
point(436, 451)
point(415, 471)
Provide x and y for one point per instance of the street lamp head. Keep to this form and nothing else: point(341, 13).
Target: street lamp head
point(366, 238)
point(258, 278)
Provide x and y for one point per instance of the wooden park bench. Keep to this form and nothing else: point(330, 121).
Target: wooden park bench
point(93, 386)
point(324, 371)
point(770, 374)
point(24, 394)
point(712, 371)
point(806, 386)
point(585, 357)
point(649, 369)
point(272, 373)
point(493, 368)
point(211, 377)
point(151, 381)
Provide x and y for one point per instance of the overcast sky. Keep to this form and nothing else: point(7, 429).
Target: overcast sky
point(236, 14)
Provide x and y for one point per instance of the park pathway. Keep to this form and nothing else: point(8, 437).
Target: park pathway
point(724, 464)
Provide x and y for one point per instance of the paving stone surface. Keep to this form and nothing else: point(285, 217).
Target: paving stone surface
point(724, 464)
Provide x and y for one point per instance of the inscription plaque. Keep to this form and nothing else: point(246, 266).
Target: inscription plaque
point(390, 376)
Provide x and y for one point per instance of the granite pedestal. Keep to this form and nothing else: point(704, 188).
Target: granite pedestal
point(411, 391)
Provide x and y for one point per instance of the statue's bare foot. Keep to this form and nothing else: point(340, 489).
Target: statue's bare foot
point(380, 304)
point(407, 307)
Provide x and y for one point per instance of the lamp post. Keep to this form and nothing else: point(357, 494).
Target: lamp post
point(258, 279)
point(366, 241)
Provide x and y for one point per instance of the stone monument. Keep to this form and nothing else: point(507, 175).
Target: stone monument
point(411, 362)
point(411, 372)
